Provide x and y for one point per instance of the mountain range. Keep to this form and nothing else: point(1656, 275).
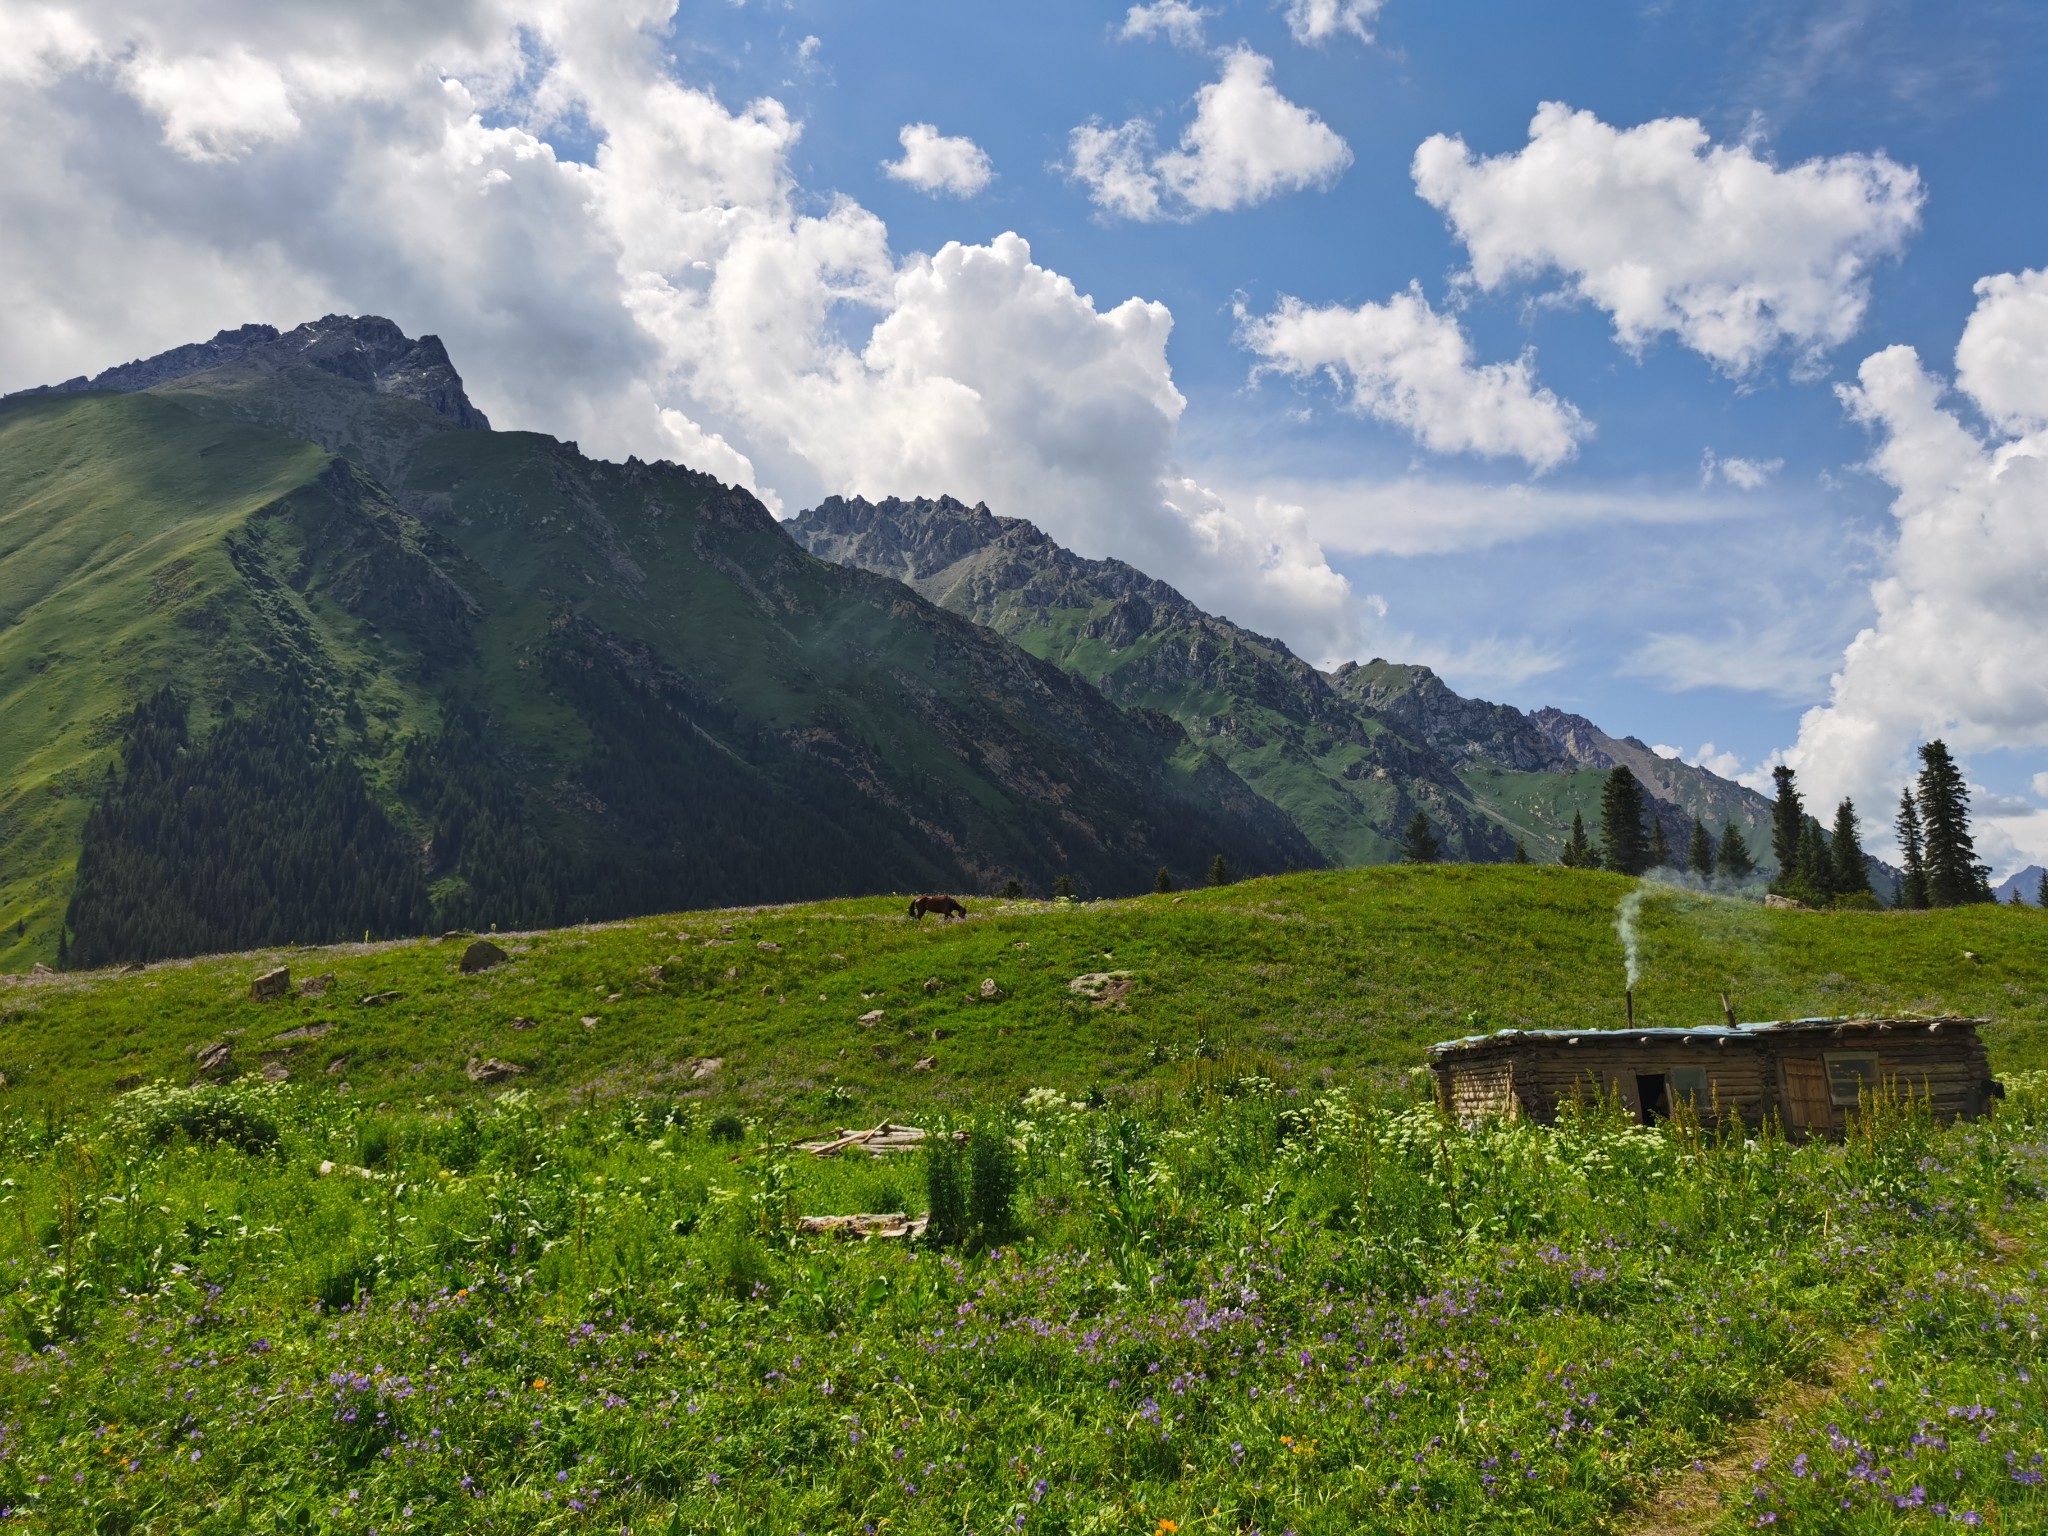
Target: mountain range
point(1350, 755)
point(293, 645)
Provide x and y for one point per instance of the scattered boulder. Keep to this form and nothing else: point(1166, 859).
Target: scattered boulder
point(337, 1064)
point(931, 986)
point(924, 1063)
point(885, 1224)
point(481, 955)
point(522, 1022)
point(942, 1034)
point(702, 1067)
point(316, 986)
point(455, 933)
point(871, 1018)
point(1785, 903)
point(1104, 988)
point(990, 992)
point(766, 944)
point(276, 1072)
point(40, 969)
point(130, 1080)
point(489, 1069)
point(215, 1061)
point(1972, 957)
point(303, 1032)
point(379, 999)
point(589, 1021)
point(271, 985)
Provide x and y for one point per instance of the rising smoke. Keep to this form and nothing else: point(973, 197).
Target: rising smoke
point(1625, 919)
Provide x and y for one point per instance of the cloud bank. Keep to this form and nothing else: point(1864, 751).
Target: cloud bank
point(1961, 626)
point(933, 163)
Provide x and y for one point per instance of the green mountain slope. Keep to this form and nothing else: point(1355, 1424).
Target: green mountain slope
point(1350, 756)
point(580, 689)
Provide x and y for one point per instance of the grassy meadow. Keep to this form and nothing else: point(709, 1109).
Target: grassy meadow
point(1209, 1260)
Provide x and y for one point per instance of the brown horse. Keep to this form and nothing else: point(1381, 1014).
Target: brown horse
point(944, 906)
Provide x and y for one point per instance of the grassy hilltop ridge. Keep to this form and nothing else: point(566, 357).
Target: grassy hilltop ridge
point(1352, 971)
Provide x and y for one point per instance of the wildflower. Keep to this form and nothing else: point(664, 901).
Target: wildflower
point(540, 1383)
point(1167, 1527)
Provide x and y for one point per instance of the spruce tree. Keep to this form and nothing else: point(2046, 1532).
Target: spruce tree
point(1852, 874)
point(1814, 879)
point(1660, 845)
point(1699, 850)
point(1163, 881)
point(1418, 844)
point(1734, 859)
point(2041, 892)
point(1521, 853)
point(1219, 871)
point(1954, 877)
point(1912, 854)
point(1578, 852)
point(1788, 817)
point(1623, 847)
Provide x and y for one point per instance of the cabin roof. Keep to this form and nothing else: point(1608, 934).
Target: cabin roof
point(1760, 1030)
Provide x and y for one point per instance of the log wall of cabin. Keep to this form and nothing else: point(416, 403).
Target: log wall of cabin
point(1947, 1067)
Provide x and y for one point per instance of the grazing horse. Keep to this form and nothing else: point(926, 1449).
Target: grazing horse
point(944, 906)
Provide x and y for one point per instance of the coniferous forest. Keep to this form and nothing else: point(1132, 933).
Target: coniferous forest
point(257, 836)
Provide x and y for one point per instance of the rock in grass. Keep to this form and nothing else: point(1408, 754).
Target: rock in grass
point(215, 1061)
point(871, 1018)
point(990, 992)
point(931, 986)
point(276, 1072)
point(924, 1064)
point(271, 985)
point(481, 956)
point(316, 986)
point(379, 999)
point(489, 1069)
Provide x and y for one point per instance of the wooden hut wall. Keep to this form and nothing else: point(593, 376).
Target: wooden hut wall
point(1478, 1090)
point(1819, 1072)
point(1734, 1077)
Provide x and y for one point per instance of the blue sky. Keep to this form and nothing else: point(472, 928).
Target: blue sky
point(671, 231)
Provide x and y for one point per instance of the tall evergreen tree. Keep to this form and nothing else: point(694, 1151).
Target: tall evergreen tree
point(1852, 874)
point(1734, 859)
point(1788, 818)
point(1954, 877)
point(1419, 845)
point(1578, 852)
point(2041, 892)
point(1163, 881)
point(1219, 871)
point(1699, 850)
point(1912, 854)
point(1660, 845)
point(1815, 876)
point(1623, 847)
point(1521, 853)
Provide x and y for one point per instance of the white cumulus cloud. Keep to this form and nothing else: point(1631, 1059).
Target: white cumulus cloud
point(1246, 144)
point(1174, 20)
point(1743, 474)
point(1404, 363)
point(1961, 626)
point(1670, 233)
point(935, 163)
point(1317, 21)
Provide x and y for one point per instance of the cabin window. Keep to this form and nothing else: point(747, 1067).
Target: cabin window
point(1690, 1083)
point(1849, 1074)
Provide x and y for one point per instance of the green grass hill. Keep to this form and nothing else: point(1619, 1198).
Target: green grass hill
point(1351, 973)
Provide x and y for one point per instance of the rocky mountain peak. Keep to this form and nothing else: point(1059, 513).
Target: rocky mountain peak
point(367, 349)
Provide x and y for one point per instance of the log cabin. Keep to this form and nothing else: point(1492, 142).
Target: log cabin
point(1808, 1074)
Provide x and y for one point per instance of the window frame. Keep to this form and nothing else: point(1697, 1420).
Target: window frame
point(1837, 1063)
